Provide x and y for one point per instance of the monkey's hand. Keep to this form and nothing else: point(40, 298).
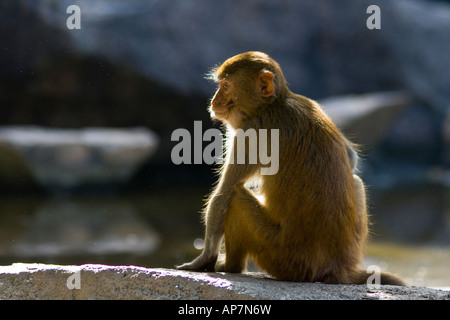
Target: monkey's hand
point(203, 262)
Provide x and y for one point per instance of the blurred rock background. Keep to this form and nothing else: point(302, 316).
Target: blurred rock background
point(141, 63)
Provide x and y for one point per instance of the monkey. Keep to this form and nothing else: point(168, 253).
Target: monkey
point(311, 223)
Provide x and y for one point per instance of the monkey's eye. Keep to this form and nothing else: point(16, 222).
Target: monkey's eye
point(225, 86)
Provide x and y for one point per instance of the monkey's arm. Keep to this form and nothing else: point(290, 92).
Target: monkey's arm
point(217, 205)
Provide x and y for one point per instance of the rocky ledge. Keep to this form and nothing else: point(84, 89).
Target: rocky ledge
point(41, 281)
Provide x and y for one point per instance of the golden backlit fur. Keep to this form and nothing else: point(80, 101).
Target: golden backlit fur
point(312, 224)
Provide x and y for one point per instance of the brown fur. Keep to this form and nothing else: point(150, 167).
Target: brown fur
point(312, 223)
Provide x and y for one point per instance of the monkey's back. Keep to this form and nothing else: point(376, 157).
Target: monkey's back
point(312, 196)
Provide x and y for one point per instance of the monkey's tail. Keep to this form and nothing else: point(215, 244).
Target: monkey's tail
point(363, 277)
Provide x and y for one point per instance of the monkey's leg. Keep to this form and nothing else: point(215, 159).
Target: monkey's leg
point(236, 249)
point(214, 221)
point(247, 229)
point(208, 258)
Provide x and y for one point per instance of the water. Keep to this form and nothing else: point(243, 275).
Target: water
point(411, 230)
point(147, 229)
point(411, 233)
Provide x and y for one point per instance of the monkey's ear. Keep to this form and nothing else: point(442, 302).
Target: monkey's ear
point(265, 83)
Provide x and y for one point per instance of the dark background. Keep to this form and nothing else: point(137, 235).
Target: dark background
point(142, 63)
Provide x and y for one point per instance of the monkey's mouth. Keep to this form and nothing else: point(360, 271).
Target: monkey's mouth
point(223, 111)
point(220, 115)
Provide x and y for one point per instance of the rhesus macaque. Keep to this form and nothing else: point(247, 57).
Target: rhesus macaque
point(311, 224)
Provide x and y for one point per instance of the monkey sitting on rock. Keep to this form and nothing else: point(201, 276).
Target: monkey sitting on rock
point(310, 224)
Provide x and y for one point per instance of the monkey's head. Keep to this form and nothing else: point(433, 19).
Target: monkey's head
point(247, 83)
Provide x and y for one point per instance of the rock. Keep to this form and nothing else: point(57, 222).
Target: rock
point(316, 49)
point(39, 281)
point(413, 215)
point(151, 56)
point(15, 172)
point(415, 137)
point(63, 158)
point(325, 49)
point(442, 174)
point(446, 138)
point(418, 34)
point(365, 118)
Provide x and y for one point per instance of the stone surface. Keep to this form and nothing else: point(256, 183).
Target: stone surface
point(39, 281)
point(366, 117)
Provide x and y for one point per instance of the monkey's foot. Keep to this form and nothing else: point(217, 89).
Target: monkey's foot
point(199, 264)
